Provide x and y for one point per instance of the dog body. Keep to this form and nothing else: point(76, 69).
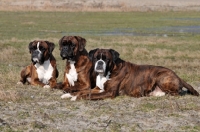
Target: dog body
point(78, 64)
point(125, 78)
point(43, 69)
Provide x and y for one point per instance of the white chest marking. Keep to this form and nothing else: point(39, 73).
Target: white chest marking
point(44, 71)
point(72, 76)
point(100, 80)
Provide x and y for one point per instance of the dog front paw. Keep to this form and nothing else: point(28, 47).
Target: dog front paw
point(73, 98)
point(46, 86)
point(67, 95)
point(19, 83)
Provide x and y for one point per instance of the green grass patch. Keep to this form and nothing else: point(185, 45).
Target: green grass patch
point(191, 128)
point(19, 28)
point(26, 25)
point(148, 107)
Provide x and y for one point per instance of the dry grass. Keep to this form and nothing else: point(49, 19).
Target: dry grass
point(5, 54)
point(8, 96)
point(28, 108)
point(99, 6)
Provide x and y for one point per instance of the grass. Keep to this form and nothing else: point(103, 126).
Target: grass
point(34, 24)
point(35, 109)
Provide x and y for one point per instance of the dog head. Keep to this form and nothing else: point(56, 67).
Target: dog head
point(103, 60)
point(40, 51)
point(70, 46)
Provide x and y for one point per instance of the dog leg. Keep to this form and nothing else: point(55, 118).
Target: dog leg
point(53, 82)
point(25, 73)
point(157, 92)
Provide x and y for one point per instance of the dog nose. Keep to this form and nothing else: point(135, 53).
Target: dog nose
point(99, 67)
point(65, 48)
point(100, 63)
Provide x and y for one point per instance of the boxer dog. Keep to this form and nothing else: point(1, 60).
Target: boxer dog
point(43, 69)
point(78, 64)
point(115, 76)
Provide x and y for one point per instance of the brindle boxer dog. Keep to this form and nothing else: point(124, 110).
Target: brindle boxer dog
point(115, 76)
point(43, 69)
point(78, 64)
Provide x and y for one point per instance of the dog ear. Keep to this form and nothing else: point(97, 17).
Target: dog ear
point(81, 42)
point(115, 54)
point(29, 46)
point(50, 45)
point(91, 53)
point(60, 42)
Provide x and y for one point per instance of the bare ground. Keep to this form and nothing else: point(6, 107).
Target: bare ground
point(36, 109)
point(100, 5)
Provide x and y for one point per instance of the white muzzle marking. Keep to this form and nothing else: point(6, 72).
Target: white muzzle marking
point(100, 70)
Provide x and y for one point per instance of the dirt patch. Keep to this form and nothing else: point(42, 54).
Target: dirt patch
point(38, 109)
point(100, 5)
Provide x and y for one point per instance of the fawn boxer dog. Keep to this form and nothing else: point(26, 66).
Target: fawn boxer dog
point(78, 64)
point(115, 76)
point(43, 69)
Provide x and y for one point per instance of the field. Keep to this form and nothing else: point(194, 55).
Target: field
point(170, 39)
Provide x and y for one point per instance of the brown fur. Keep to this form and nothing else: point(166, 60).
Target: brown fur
point(30, 70)
point(82, 64)
point(134, 80)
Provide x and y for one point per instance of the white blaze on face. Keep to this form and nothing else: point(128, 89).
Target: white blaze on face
point(38, 46)
point(72, 76)
point(44, 71)
point(39, 55)
point(100, 80)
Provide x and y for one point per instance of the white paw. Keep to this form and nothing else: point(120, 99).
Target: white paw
point(73, 98)
point(67, 95)
point(19, 83)
point(102, 90)
point(160, 94)
point(46, 86)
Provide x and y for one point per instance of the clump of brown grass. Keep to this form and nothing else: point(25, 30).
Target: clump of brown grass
point(8, 95)
point(6, 53)
point(12, 40)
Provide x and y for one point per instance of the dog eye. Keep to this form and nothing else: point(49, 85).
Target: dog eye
point(42, 48)
point(33, 48)
point(73, 45)
point(98, 58)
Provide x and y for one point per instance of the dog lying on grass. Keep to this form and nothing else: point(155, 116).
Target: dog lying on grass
point(115, 76)
point(42, 71)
